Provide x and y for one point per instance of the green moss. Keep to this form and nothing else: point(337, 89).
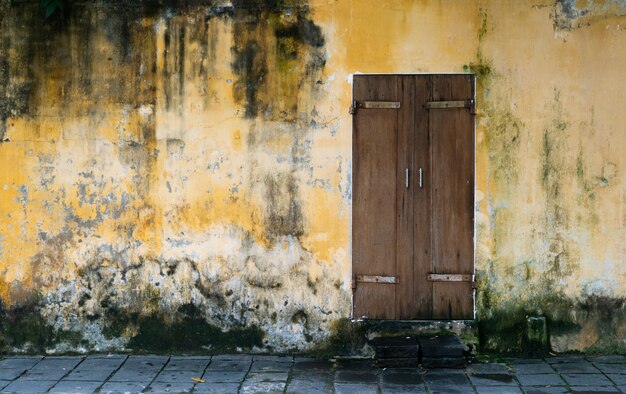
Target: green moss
point(346, 338)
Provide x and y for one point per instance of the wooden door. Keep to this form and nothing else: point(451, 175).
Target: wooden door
point(413, 196)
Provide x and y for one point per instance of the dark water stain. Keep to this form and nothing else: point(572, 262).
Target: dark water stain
point(284, 213)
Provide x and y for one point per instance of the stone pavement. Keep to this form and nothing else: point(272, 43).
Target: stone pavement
point(276, 374)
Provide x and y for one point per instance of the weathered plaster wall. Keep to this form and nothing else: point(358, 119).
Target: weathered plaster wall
point(178, 175)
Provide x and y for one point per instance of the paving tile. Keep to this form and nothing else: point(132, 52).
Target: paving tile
point(609, 359)
point(587, 380)
point(543, 379)
point(237, 357)
point(546, 390)
point(123, 387)
point(163, 387)
point(187, 364)
point(353, 388)
point(270, 365)
point(10, 373)
point(618, 379)
point(262, 387)
point(574, 358)
point(498, 390)
point(491, 368)
point(267, 377)
point(612, 368)
point(75, 387)
point(492, 380)
point(311, 364)
point(580, 367)
point(216, 388)
point(277, 359)
point(519, 360)
point(356, 365)
point(402, 388)
point(177, 376)
point(229, 365)
point(29, 386)
point(532, 368)
point(298, 386)
point(129, 375)
point(90, 375)
point(445, 377)
point(593, 389)
point(44, 374)
point(622, 388)
point(145, 362)
point(356, 377)
point(19, 362)
point(453, 389)
point(402, 377)
point(101, 362)
point(223, 377)
point(313, 376)
point(58, 362)
point(4, 383)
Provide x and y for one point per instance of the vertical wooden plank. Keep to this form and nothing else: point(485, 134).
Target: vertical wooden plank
point(452, 172)
point(422, 201)
point(375, 185)
point(405, 296)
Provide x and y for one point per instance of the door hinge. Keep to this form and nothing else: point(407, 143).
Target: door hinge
point(450, 278)
point(356, 104)
point(449, 104)
point(388, 280)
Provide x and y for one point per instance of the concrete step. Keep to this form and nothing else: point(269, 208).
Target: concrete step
point(433, 351)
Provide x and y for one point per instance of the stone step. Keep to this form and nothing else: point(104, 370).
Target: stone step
point(435, 351)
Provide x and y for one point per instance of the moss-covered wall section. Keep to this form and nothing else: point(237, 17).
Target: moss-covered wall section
point(187, 166)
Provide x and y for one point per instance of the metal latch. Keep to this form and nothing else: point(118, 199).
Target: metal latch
point(449, 104)
point(356, 104)
point(450, 277)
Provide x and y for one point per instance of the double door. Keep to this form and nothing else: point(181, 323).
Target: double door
point(413, 196)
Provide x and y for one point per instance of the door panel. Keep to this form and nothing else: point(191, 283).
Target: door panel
point(407, 231)
point(375, 159)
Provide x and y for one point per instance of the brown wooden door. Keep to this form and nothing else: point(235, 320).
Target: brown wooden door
point(413, 196)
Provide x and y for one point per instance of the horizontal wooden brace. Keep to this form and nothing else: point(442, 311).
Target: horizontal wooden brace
point(377, 279)
point(374, 105)
point(449, 104)
point(450, 277)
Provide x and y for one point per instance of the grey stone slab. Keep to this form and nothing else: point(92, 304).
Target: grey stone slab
point(4, 383)
point(129, 375)
point(532, 368)
point(145, 362)
point(276, 359)
point(313, 376)
point(223, 377)
point(237, 357)
point(519, 360)
point(229, 365)
point(123, 387)
point(356, 365)
point(353, 388)
point(402, 389)
point(10, 373)
point(441, 346)
point(185, 364)
point(92, 375)
point(270, 365)
point(19, 362)
point(307, 386)
point(44, 374)
point(262, 387)
point(356, 377)
point(622, 388)
point(498, 390)
point(450, 389)
point(312, 365)
point(579, 367)
point(58, 362)
point(609, 359)
point(101, 362)
point(593, 389)
point(618, 379)
point(402, 377)
point(586, 379)
point(169, 387)
point(546, 390)
point(492, 380)
point(216, 388)
point(540, 379)
point(75, 387)
point(178, 376)
point(265, 377)
point(574, 358)
point(29, 386)
point(612, 368)
point(445, 377)
point(491, 368)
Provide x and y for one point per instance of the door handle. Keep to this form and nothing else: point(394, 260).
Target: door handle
point(419, 182)
point(406, 177)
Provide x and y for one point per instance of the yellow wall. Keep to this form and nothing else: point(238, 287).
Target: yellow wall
point(201, 155)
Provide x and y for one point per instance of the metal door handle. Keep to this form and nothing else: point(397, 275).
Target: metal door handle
point(420, 178)
point(406, 177)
